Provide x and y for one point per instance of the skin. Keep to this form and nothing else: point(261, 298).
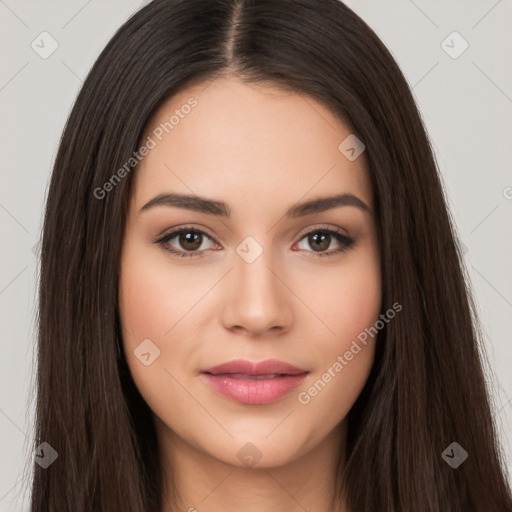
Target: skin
point(261, 149)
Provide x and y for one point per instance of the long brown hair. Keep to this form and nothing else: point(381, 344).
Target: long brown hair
point(427, 388)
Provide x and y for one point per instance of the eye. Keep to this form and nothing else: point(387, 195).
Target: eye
point(321, 239)
point(190, 242)
point(190, 239)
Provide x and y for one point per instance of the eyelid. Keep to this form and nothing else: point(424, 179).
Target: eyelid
point(191, 227)
point(323, 227)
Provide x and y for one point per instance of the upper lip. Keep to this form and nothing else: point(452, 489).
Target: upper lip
point(267, 367)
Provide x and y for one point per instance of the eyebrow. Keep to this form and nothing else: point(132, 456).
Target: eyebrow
point(220, 209)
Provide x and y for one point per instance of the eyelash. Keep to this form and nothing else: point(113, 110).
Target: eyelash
point(345, 241)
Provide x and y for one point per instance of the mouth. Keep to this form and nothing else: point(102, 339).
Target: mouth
point(254, 383)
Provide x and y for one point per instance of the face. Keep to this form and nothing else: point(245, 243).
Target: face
point(255, 280)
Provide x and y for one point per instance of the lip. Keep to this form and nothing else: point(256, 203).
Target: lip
point(254, 383)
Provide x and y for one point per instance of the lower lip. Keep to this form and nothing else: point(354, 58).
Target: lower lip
point(254, 392)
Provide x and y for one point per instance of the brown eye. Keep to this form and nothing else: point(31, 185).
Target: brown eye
point(320, 240)
point(188, 242)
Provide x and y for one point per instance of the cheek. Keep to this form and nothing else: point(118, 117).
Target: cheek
point(147, 306)
point(152, 299)
point(348, 304)
point(151, 303)
point(346, 300)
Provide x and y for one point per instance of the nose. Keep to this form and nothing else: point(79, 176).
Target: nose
point(256, 299)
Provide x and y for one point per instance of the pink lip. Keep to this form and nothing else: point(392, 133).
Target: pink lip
point(233, 380)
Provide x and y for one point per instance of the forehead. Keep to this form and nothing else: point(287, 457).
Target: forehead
point(247, 143)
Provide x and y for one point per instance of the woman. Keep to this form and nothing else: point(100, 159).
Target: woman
point(251, 297)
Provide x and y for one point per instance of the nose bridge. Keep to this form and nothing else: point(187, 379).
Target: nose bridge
point(253, 267)
point(257, 299)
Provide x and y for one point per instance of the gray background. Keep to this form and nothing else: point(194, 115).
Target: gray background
point(466, 104)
